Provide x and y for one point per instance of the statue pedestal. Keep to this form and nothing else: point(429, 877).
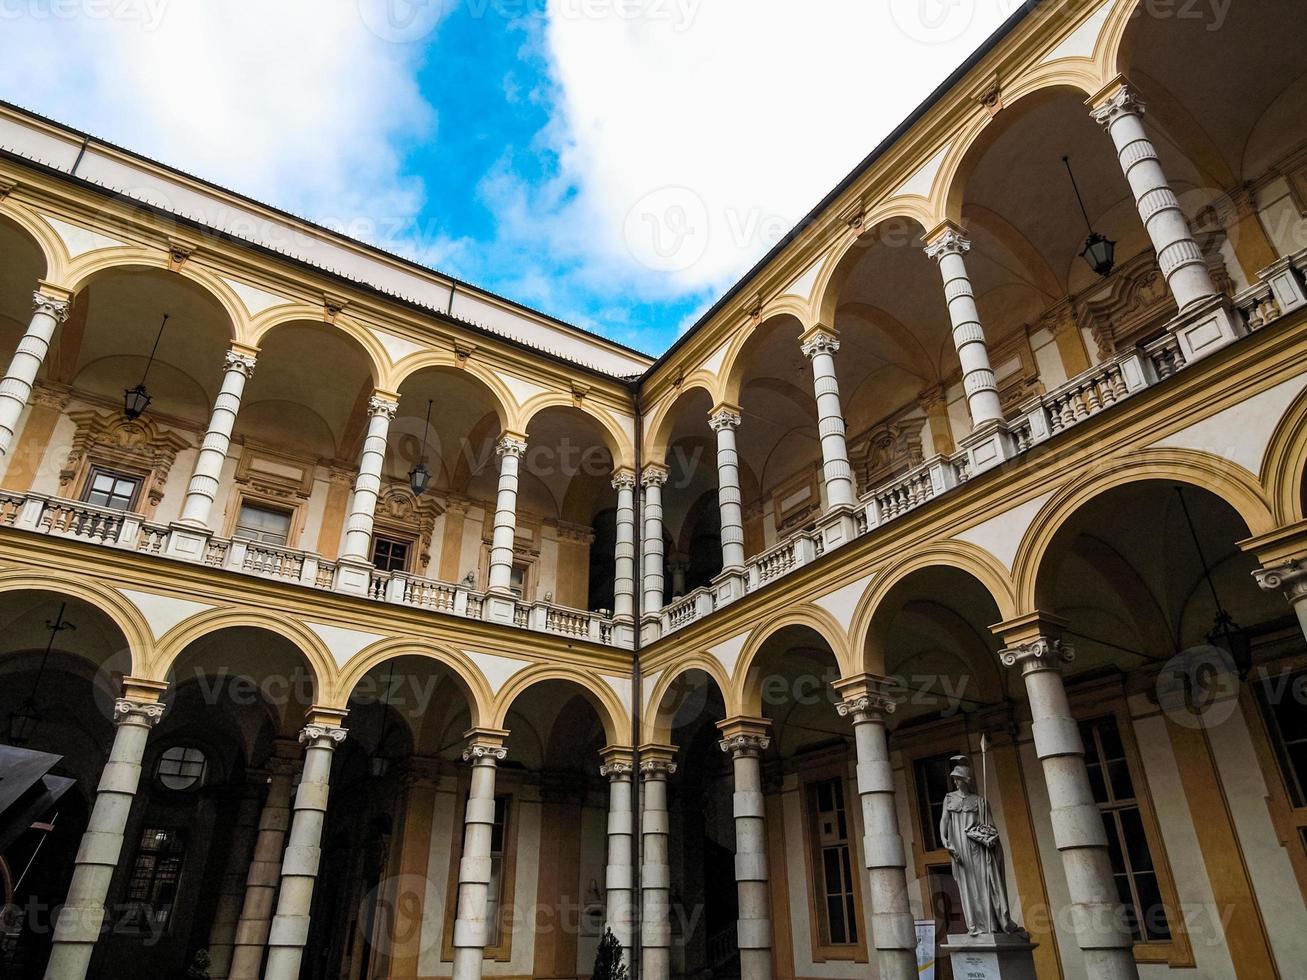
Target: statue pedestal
point(994, 956)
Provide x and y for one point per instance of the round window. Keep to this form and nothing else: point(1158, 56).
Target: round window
point(182, 767)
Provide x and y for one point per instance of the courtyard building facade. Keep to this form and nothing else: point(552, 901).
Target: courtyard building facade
point(389, 629)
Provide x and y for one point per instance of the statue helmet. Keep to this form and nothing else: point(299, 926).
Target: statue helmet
point(961, 770)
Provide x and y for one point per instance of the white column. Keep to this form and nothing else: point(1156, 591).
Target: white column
point(893, 931)
point(724, 422)
point(238, 368)
point(1178, 255)
point(289, 932)
point(624, 551)
point(16, 387)
point(264, 873)
point(1290, 578)
point(81, 920)
point(968, 334)
point(367, 485)
point(510, 449)
point(652, 479)
point(820, 346)
point(745, 743)
point(1077, 824)
point(655, 871)
point(471, 930)
point(619, 875)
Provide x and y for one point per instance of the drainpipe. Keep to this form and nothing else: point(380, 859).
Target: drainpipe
point(637, 706)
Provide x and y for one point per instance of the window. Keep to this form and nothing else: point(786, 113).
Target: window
point(182, 768)
point(500, 888)
point(829, 831)
point(495, 891)
point(267, 525)
point(517, 581)
point(152, 886)
point(108, 488)
point(1113, 785)
point(390, 554)
point(1286, 722)
point(932, 786)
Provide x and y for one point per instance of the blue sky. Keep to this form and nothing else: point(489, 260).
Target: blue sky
point(615, 163)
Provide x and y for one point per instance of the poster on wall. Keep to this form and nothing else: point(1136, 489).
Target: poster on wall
point(926, 949)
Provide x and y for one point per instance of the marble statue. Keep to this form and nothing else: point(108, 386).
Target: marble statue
point(972, 841)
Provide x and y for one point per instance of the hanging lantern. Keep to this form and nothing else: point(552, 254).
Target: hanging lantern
point(1099, 250)
point(136, 400)
point(419, 477)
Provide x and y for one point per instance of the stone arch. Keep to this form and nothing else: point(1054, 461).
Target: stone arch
point(960, 555)
point(505, 403)
point(316, 655)
point(659, 428)
point(130, 621)
point(845, 256)
point(464, 671)
point(1224, 479)
point(51, 247)
point(736, 360)
point(605, 701)
point(656, 728)
point(378, 359)
point(616, 438)
point(745, 693)
point(1285, 463)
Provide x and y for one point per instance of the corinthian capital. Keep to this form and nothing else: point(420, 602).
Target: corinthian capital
point(820, 342)
point(1290, 578)
point(653, 475)
point(135, 711)
point(724, 418)
point(511, 445)
point(379, 406)
point(870, 706)
point(239, 361)
point(624, 480)
point(951, 242)
point(1122, 102)
point(1042, 653)
point(51, 307)
point(744, 744)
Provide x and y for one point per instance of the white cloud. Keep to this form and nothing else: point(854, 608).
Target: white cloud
point(700, 131)
point(303, 103)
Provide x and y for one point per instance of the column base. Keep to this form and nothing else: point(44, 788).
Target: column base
point(353, 576)
point(1001, 956)
point(499, 607)
point(1205, 327)
point(651, 627)
point(838, 526)
point(1286, 284)
point(187, 542)
point(988, 445)
point(624, 632)
point(730, 585)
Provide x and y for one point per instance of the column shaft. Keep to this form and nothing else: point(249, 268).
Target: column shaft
point(81, 920)
point(893, 931)
point(729, 502)
point(227, 911)
point(754, 928)
point(619, 874)
point(655, 872)
point(1077, 825)
point(289, 932)
point(968, 334)
point(653, 479)
point(1178, 254)
point(367, 485)
point(16, 386)
point(624, 551)
point(511, 449)
point(471, 930)
point(820, 348)
point(203, 488)
point(263, 876)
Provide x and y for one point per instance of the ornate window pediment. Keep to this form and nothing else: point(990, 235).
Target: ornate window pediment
point(887, 450)
point(137, 446)
point(400, 514)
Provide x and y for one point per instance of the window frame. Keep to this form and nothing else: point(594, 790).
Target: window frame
point(201, 780)
point(142, 929)
point(117, 473)
point(822, 768)
point(409, 545)
point(499, 947)
point(243, 498)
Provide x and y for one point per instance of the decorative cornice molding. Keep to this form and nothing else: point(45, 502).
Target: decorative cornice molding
point(1042, 653)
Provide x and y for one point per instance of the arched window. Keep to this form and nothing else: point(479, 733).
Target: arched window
point(182, 768)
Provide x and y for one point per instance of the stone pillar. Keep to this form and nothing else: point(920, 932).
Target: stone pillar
point(1034, 645)
point(619, 878)
point(724, 420)
point(678, 565)
point(745, 740)
point(265, 866)
point(471, 930)
point(1290, 578)
point(82, 918)
point(16, 387)
point(947, 248)
point(238, 367)
point(655, 872)
point(289, 931)
point(231, 895)
point(367, 484)
point(819, 346)
point(624, 551)
point(867, 702)
point(652, 479)
point(510, 449)
point(1178, 255)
